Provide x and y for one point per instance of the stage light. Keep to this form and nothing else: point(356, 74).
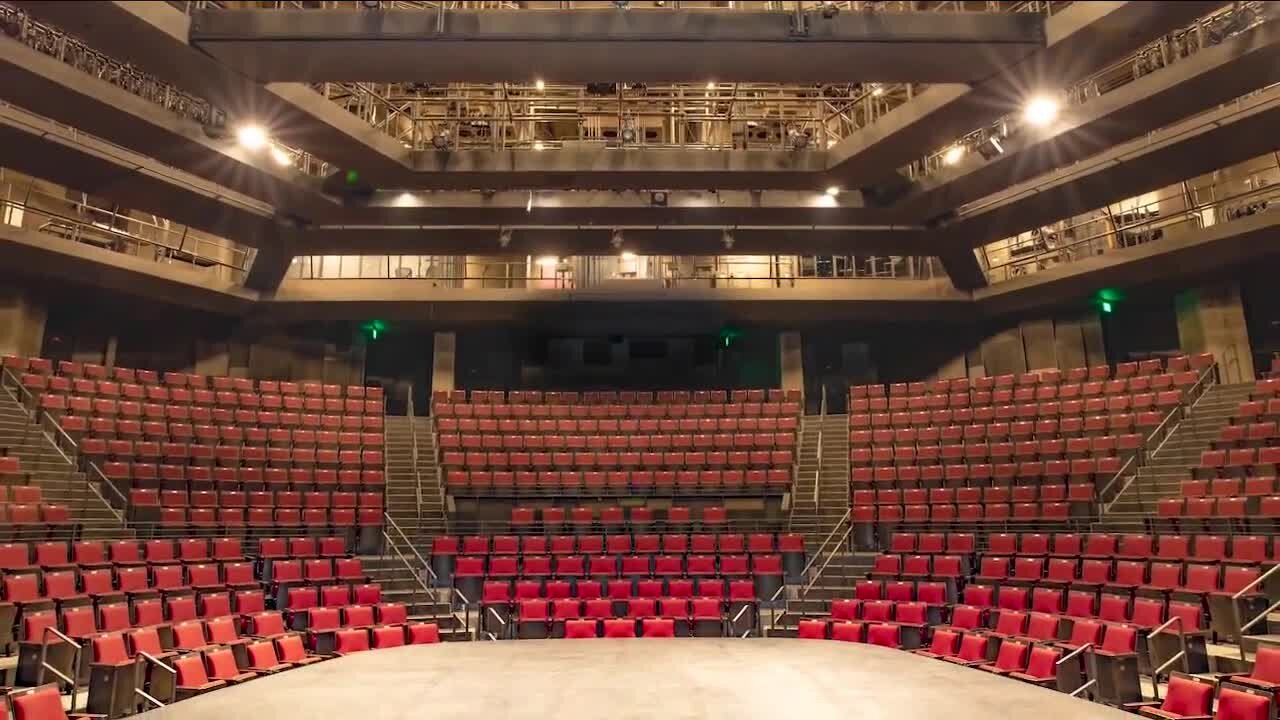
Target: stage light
point(833, 191)
point(537, 145)
point(282, 158)
point(440, 140)
point(627, 255)
point(540, 85)
point(1041, 111)
point(251, 137)
point(877, 90)
point(548, 261)
point(953, 155)
point(711, 85)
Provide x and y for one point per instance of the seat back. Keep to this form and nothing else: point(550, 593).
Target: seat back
point(1186, 695)
point(1012, 656)
point(221, 664)
point(1043, 662)
point(191, 672)
point(349, 641)
point(973, 647)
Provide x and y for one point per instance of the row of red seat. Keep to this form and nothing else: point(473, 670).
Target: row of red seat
point(1208, 509)
point(1256, 434)
point(1266, 388)
point(613, 517)
point(618, 412)
point(159, 432)
point(760, 459)
point(15, 557)
point(284, 520)
point(718, 441)
point(260, 498)
point(203, 477)
point(1066, 425)
point(1138, 392)
point(1255, 461)
point(996, 512)
point(990, 495)
point(109, 399)
point(90, 371)
point(31, 515)
point(996, 436)
point(617, 481)
point(645, 426)
point(1082, 470)
point(627, 566)
point(174, 422)
point(1029, 450)
point(507, 592)
point(236, 455)
point(609, 397)
point(619, 544)
point(1049, 376)
point(1255, 486)
point(1205, 548)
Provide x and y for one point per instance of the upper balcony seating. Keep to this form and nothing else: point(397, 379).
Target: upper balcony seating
point(610, 397)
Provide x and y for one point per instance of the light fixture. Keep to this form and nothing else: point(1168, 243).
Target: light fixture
point(953, 154)
point(1040, 111)
point(877, 90)
point(711, 85)
point(726, 237)
point(615, 239)
point(829, 9)
point(251, 137)
point(627, 255)
point(548, 261)
point(282, 157)
point(539, 84)
point(405, 199)
point(440, 140)
point(537, 145)
point(528, 204)
point(799, 139)
point(833, 190)
point(831, 142)
point(370, 4)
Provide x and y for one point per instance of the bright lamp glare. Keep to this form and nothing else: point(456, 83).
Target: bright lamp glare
point(953, 154)
point(628, 255)
point(711, 85)
point(877, 91)
point(833, 191)
point(1041, 111)
point(282, 158)
point(537, 145)
point(251, 137)
point(540, 85)
point(548, 261)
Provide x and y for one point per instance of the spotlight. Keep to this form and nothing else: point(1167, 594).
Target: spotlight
point(548, 261)
point(990, 148)
point(1041, 111)
point(658, 198)
point(953, 155)
point(282, 158)
point(833, 191)
point(711, 85)
point(540, 85)
point(799, 139)
point(528, 204)
point(627, 255)
point(537, 145)
point(628, 133)
point(877, 90)
point(440, 140)
point(251, 137)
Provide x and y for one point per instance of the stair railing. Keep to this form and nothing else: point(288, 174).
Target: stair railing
point(57, 436)
point(20, 395)
point(1235, 607)
point(822, 424)
point(465, 620)
point(413, 454)
point(810, 582)
point(44, 665)
point(1180, 655)
point(163, 667)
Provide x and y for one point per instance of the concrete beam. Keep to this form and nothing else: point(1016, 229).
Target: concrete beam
point(1207, 142)
point(1211, 77)
point(271, 263)
point(963, 269)
point(1081, 39)
point(58, 91)
point(592, 45)
point(153, 36)
point(33, 254)
point(565, 241)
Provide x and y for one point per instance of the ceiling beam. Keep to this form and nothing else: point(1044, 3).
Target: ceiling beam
point(1081, 39)
point(593, 45)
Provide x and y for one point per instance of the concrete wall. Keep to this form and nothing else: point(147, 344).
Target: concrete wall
point(1211, 319)
point(23, 314)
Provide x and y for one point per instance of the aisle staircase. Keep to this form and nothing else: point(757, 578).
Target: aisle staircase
point(60, 481)
point(1165, 468)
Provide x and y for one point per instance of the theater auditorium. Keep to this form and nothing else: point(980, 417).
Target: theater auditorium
point(695, 359)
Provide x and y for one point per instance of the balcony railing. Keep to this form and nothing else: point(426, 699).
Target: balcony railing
point(25, 205)
point(1225, 196)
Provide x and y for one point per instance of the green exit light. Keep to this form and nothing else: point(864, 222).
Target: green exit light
point(1106, 306)
point(374, 328)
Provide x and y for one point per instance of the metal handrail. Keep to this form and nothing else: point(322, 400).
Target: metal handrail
point(848, 513)
point(1235, 608)
point(464, 621)
point(1155, 686)
point(93, 468)
point(1082, 688)
point(413, 549)
point(1257, 581)
point(173, 692)
point(1102, 494)
point(1160, 628)
point(1074, 653)
point(822, 424)
point(811, 582)
point(413, 453)
point(44, 663)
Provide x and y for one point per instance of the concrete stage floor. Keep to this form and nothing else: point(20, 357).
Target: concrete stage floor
point(719, 679)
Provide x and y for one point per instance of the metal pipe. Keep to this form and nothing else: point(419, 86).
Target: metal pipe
point(1074, 653)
